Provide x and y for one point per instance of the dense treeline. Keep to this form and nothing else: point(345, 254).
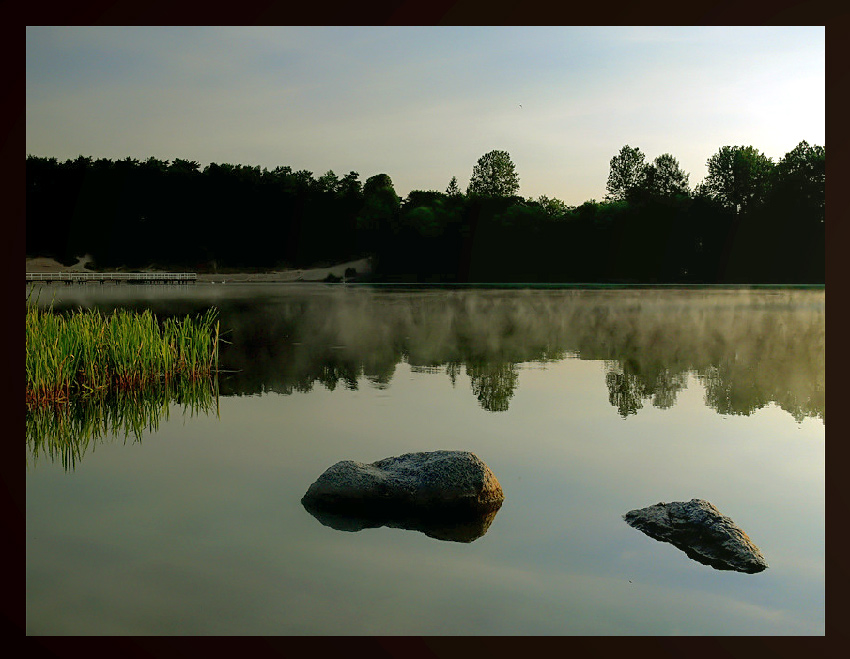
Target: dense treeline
point(750, 221)
point(131, 213)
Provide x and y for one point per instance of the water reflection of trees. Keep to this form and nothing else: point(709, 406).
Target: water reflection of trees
point(630, 383)
point(749, 348)
point(65, 433)
point(493, 383)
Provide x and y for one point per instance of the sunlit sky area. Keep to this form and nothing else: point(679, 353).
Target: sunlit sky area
point(422, 104)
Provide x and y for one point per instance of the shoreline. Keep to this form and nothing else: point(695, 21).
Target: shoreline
point(362, 266)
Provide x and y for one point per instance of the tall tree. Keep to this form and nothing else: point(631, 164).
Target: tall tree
point(380, 204)
point(378, 182)
point(627, 174)
point(349, 185)
point(327, 183)
point(453, 190)
point(738, 177)
point(494, 175)
point(800, 177)
point(665, 178)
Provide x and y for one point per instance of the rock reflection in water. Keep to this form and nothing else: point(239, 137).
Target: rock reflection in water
point(456, 523)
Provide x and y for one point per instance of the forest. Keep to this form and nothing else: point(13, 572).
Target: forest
point(750, 221)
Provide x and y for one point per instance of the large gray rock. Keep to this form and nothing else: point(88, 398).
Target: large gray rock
point(702, 532)
point(450, 495)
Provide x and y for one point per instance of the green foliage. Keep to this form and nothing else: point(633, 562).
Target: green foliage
point(494, 175)
point(134, 213)
point(85, 353)
point(627, 174)
point(424, 221)
point(553, 207)
point(328, 182)
point(378, 182)
point(804, 161)
point(738, 177)
point(349, 186)
point(424, 198)
point(453, 190)
point(665, 178)
point(748, 222)
point(381, 205)
point(184, 166)
point(799, 180)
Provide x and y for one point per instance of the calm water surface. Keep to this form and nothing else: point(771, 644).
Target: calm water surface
point(585, 404)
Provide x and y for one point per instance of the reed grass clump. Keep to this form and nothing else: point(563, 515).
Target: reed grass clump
point(89, 353)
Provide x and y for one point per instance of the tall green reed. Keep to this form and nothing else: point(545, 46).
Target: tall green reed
point(90, 375)
point(86, 352)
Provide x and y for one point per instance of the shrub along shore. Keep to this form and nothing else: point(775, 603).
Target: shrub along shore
point(87, 353)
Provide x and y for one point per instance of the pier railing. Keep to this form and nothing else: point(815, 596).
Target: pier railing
point(102, 277)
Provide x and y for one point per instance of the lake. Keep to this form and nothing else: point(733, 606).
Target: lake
point(585, 404)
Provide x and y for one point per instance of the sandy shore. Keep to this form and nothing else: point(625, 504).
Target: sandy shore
point(362, 266)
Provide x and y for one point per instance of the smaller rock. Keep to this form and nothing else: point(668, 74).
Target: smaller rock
point(702, 532)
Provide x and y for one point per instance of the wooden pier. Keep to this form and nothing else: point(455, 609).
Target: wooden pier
point(115, 277)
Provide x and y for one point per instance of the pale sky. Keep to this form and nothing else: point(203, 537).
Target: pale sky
point(422, 104)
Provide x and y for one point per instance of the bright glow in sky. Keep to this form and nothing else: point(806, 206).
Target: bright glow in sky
point(422, 104)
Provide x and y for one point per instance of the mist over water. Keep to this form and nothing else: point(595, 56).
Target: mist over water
point(747, 347)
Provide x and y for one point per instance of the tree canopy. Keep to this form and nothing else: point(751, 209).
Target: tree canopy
point(737, 177)
point(453, 189)
point(379, 211)
point(799, 179)
point(494, 175)
point(553, 206)
point(665, 178)
point(749, 222)
point(627, 173)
